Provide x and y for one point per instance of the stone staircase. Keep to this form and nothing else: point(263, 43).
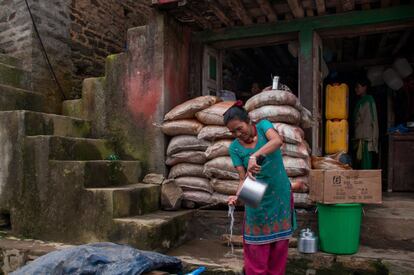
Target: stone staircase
point(56, 182)
point(15, 87)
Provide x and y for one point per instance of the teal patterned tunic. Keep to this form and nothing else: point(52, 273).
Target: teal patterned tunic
point(273, 219)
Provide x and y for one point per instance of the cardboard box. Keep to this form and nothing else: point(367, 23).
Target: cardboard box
point(345, 186)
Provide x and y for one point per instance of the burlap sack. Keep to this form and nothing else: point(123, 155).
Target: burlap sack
point(214, 115)
point(289, 133)
point(219, 148)
point(197, 157)
point(190, 107)
point(227, 187)
point(194, 184)
point(181, 127)
point(199, 197)
point(295, 166)
point(283, 113)
point(219, 198)
point(302, 200)
point(300, 184)
point(221, 168)
point(271, 97)
point(186, 143)
point(213, 133)
point(295, 150)
point(171, 196)
point(326, 163)
point(186, 170)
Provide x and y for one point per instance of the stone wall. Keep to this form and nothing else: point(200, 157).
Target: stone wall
point(15, 30)
point(98, 29)
point(77, 35)
point(19, 39)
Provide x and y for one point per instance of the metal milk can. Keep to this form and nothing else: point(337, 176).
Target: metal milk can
point(308, 241)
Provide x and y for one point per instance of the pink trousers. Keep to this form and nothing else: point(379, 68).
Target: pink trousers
point(266, 259)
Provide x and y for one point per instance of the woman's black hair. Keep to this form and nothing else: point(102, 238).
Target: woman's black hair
point(236, 112)
point(363, 81)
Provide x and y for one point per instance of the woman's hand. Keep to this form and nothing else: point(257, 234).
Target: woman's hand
point(253, 168)
point(232, 200)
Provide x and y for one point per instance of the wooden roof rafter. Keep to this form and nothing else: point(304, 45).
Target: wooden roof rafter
point(320, 7)
point(267, 10)
point(296, 8)
point(240, 11)
point(218, 11)
point(348, 5)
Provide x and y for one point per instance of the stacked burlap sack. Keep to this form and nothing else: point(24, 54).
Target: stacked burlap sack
point(197, 151)
point(219, 168)
point(289, 118)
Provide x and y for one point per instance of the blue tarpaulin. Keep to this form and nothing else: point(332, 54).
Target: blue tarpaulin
point(101, 258)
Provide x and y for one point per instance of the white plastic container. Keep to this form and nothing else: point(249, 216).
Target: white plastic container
point(392, 79)
point(402, 67)
point(374, 74)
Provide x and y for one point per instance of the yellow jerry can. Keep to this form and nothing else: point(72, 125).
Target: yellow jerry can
point(337, 101)
point(336, 136)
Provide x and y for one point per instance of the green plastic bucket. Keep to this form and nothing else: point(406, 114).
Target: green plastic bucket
point(339, 227)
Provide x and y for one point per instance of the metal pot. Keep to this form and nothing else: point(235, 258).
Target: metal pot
point(307, 242)
point(252, 192)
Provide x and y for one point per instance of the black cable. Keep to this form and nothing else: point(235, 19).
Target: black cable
point(44, 52)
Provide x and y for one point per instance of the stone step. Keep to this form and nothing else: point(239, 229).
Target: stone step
point(73, 108)
point(36, 123)
point(15, 77)
point(12, 98)
point(157, 231)
point(131, 200)
point(70, 148)
point(11, 61)
point(103, 173)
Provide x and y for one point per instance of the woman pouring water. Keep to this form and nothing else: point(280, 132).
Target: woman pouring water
point(268, 227)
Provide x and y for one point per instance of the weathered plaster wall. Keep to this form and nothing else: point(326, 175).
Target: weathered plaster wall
point(142, 85)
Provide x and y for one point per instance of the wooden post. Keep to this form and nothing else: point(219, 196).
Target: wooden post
point(305, 73)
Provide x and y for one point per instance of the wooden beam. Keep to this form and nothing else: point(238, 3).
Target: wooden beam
point(320, 6)
point(199, 19)
point(361, 46)
point(267, 9)
point(240, 11)
point(366, 30)
point(296, 8)
point(350, 19)
point(348, 5)
point(403, 39)
point(259, 41)
point(218, 12)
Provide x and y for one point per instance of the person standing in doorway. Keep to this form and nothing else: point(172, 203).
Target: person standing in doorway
point(365, 125)
point(268, 227)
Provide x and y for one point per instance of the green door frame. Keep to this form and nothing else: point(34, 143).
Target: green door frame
point(305, 29)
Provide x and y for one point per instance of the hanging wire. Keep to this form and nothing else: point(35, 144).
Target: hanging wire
point(43, 49)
